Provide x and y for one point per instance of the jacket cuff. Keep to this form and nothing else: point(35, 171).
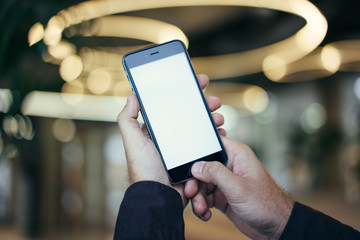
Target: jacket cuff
point(150, 210)
point(307, 223)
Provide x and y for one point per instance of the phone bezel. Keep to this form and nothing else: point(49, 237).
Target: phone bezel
point(156, 52)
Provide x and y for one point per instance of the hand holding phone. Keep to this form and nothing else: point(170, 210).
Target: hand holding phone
point(173, 108)
point(143, 160)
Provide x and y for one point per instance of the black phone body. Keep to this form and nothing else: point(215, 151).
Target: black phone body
point(173, 107)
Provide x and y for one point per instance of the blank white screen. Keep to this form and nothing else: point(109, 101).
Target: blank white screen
point(175, 110)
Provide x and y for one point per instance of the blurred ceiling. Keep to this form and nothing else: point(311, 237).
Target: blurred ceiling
point(211, 31)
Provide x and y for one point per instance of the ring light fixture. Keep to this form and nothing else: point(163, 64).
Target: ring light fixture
point(272, 59)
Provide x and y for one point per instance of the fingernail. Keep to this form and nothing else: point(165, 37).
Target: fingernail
point(195, 204)
point(197, 168)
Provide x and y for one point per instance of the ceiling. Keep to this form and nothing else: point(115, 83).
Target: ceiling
point(210, 30)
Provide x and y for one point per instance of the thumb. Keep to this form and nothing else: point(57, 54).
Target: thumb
point(127, 118)
point(215, 173)
point(131, 108)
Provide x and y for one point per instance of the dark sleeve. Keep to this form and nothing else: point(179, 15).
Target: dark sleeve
point(307, 223)
point(150, 210)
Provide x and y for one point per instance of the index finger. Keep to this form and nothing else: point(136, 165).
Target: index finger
point(203, 80)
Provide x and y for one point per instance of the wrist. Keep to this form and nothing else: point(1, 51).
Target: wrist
point(285, 213)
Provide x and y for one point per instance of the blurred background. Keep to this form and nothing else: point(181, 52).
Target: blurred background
point(287, 72)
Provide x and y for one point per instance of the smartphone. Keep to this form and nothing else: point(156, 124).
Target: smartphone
point(173, 108)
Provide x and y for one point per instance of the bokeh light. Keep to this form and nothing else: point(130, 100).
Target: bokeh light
point(64, 130)
point(246, 98)
point(313, 118)
point(331, 59)
point(6, 100)
point(71, 68)
point(10, 125)
point(62, 50)
point(36, 33)
point(99, 81)
point(255, 99)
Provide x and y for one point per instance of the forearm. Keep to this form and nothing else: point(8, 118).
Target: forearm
point(150, 210)
point(307, 223)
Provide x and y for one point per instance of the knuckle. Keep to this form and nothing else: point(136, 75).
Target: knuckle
point(245, 149)
point(120, 116)
point(213, 168)
point(121, 120)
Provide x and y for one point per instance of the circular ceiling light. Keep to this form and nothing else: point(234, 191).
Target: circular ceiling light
point(271, 58)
